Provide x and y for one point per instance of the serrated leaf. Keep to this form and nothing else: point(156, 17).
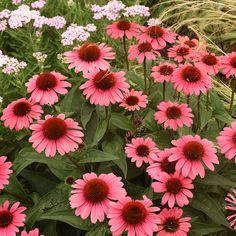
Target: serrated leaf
point(94, 155)
point(205, 229)
point(206, 204)
point(69, 217)
point(28, 156)
point(100, 131)
point(97, 230)
point(121, 121)
point(86, 113)
point(212, 178)
point(115, 146)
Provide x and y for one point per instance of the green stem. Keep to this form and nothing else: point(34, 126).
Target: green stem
point(145, 74)
point(17, 196)
point(150, 85)
point(74, 162)
point(232, 96)
point(164, 91)
point(188, 99)
point(106, 112)
point(198, 110)
point(178, 96)
point(207, 101)
point(126, 52)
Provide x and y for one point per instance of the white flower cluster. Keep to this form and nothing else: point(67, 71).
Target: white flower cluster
point(23, 15)
point(114, 9)
point(77, 33)
point(40, 57)
point(10, 65)
point(153, 22)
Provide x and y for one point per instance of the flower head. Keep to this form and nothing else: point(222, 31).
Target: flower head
point(175, 187)
point(171, 223)
point(142, 51)
point(190, 152)
point(231, 208)
point(190, 80)
point(93, 194)
point(163, 72)
point(227, 141)
point(56, 134)
point(89, 56)
point(141, 150)
point(135, 216)
point(157, 36)
point(11, 218)
point(134, 100)
point(174, 115)
point(20, 114)
point(45, 87)
point(161, 164)
point(180, 53)
point(191, 43)
point(228, 64)
point(104, 87)
point(5, 171)
point(34, 232)
point(209, 62)
point(122, 28)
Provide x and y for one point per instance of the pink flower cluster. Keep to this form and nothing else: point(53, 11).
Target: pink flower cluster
point(38, 4)
point(77, 33)
point(114, 9)
point(23, 15)
point(10, 65)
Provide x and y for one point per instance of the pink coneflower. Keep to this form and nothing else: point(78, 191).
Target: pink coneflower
point(180, 53)
point(134, 100)
point(89, 56)
point(209, 62)
point(104, 87)
point(157, 36)
point(191, 80)
point(191, 152)
point(163, 72)
point(231, 207)
point(228, 64)
point(174, 115)
point(34, 232)
point(56, 134)
point(161, 164)
point(93, 194)
point(45, 87)
point(141, 150)
point(122, 28)
point(191, 43)
point(142, 51)
point(11, 218)
point(175, 187)
point(170, 223)
point(5, 171)
point(20, 114)
point(227, 141)
point(135, 216)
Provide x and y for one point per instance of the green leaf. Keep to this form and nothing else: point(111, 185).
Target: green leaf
point(72, 101)
point(28, 156)
point(219, 111)
point(69, 217)
point(120, 121)
point(100, 131)
point(135, 78)
point(206, 204)
point(204, 229)
point(212, 178)
point(93, 156)
point(114, 145)
point(86, 113)
point(98, 230)
point(53, 201)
